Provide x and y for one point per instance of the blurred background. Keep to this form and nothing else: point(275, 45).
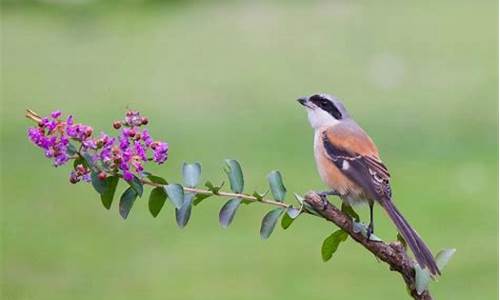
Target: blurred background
point(219, 79)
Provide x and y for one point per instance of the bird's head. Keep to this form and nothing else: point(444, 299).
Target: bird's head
point(324, 110)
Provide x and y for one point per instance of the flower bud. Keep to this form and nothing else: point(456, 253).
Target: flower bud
point(144, 121)
point(117, 124)
point(102, 175)
point(88, 131)
point(131, 133)
point(73, 178)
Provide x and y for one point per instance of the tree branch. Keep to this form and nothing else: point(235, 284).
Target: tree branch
point(393, 254)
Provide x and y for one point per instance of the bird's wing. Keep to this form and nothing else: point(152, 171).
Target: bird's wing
point(355, 155)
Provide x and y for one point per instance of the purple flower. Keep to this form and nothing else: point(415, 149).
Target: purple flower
point(146, 138)
point(125, 154)
point(160, 152)
point(127, 175)
point(55, 114)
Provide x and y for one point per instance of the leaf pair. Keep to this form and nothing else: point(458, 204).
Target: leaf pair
point(106, 188)
point(423, 278)
point(182, 202)
point(291, 214)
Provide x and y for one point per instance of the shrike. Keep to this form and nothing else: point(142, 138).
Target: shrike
point(348, 162)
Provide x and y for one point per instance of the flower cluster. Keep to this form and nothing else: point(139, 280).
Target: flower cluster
point(124, 155)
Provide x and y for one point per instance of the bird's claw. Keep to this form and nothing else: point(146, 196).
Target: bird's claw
point(369, 231)
point(324, 200)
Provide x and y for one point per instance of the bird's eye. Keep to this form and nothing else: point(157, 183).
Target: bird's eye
point(324, 103)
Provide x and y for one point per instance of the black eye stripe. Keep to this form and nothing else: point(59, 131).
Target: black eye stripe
point(326, 105)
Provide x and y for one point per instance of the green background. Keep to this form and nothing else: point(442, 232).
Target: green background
point(219, 80)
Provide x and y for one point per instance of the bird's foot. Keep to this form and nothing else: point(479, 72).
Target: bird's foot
point(369, 231)
point(324, 197)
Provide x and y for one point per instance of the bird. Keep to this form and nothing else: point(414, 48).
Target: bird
point(349, 163)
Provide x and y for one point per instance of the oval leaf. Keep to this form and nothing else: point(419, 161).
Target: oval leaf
point(137, 185)
point(235, 175)
point(269, 222)
point(71, 149)
point(156, 200)
point(127, 201)
point(175, 193)
point(331, 244)
point(98, 184)
point(228, 211)
point(299, 198)
point(155, 179)
point(292, 212)
point(443, 257)
point(276, 184)
point(191, 174)
point(286, 221)
point(422, 279)
point(107, 196)
point(183, 214)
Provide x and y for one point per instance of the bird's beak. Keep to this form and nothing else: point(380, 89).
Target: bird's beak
point(303, 100)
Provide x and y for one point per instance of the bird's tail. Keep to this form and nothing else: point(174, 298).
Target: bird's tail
point(422, 254)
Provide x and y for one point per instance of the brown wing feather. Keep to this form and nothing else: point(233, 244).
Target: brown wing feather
point(356, 156)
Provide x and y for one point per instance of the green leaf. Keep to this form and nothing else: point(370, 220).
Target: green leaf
point(443, 257)
point(286, 221)
point(175, 193)
point(79, 161)
point(191, 174)
point(127, 201)
point(71, 149)
point(200, 197)
point(422, 279)
point(292, 212)
point(331, 244)
point(228, 211)
point(269, 222)
point(276, 184)
point(183, 214)
point(259, 196)
point(310, 209)
point(235, 175)
point(358, 227)
point(156, 200)
point(346, 208)
point(299, 198)
point(89, 160)
point(213, 188)
point(107, 196)
point(137, 185)
point(155, 179)
point(98, 184)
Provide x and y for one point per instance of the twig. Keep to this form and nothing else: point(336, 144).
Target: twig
point(225, 194)
point(393, 253)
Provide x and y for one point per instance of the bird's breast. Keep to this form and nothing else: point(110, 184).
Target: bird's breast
point(333, 176)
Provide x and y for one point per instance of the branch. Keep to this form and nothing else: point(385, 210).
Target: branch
point(224, 194)
point(393, 254)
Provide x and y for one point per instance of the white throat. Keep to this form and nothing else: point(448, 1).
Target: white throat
point(319, 118)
